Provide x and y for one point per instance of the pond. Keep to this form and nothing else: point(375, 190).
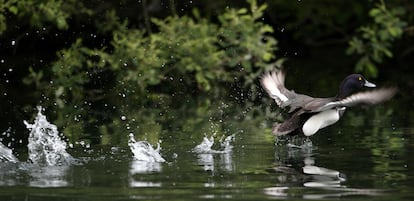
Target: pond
point(363, 159)
point(161, 100)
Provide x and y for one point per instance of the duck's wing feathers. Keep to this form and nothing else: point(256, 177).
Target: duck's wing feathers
point(315, 104)
point(274, 84)
point(368, 97)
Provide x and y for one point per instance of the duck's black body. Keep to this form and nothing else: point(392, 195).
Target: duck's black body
point(311, 114)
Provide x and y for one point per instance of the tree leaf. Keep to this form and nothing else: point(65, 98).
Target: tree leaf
point(14, 10)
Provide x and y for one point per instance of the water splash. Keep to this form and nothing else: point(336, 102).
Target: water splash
point(206, 146)
point(207, 154)
point(6, 154)
point(45, 146)
point(143, 151)
point(225, 144)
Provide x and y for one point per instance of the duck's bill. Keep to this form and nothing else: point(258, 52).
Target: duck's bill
point(369, 84)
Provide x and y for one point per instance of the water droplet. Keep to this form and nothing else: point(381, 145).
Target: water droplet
point(123, 118)
point(13, 42)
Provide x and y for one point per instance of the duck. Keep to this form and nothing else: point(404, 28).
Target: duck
point(308, 114)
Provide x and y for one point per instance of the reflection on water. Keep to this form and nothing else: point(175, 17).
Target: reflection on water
point(9, 174)
point(322, 194)
point(48, 176)
point(207, 156)
point(27, 174)
point(215, 158)
point(146, 160)
point(297, 165)
point(143, 167)
point(321, 177)
point(216, 169)
point(206, 161)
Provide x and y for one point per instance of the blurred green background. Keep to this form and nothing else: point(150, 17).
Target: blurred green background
point(104, 69)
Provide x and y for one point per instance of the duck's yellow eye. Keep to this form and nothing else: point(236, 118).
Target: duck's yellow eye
point(359, 78)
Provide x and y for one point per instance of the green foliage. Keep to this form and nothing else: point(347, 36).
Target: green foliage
point(246, 42)
point(375, 40)
point(41, 12)
point(187, 56)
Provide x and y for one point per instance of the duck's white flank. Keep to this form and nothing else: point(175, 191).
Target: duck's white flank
point(269, 82)
point(321, 120)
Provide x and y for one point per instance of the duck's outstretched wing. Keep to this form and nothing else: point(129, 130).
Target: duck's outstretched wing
point(274, 84)
point(368, 97)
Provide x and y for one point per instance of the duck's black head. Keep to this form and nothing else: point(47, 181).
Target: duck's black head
point(351, 84)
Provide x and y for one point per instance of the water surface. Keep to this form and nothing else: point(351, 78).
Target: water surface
point(244, 166)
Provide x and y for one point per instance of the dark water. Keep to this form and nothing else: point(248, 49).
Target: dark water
point(367, 155)
point(347, 161)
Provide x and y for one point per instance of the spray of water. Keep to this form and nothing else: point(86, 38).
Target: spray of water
point(45, 146)
point(143, 151)
point(206, 146)
point(6, 154)
point(207, 154)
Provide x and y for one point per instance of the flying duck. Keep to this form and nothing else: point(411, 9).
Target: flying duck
point(311, 114)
